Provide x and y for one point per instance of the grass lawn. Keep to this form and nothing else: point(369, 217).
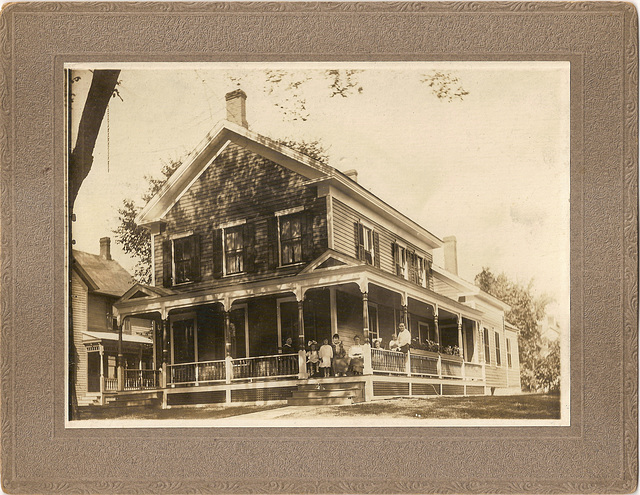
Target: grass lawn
point(531, 406)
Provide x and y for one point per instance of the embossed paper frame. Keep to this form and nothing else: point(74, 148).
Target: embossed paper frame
point(596, 453)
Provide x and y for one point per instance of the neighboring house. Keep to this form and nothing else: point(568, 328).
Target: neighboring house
point(549, 331)
point(97, 281)
point(254, 243)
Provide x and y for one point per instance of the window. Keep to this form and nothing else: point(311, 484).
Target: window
point(365, 240)
point(400, 260)
point(498, 359)
point(181, 260)
point(290, 228)
point(487, 348)
point(233, 250)
point(509, 362)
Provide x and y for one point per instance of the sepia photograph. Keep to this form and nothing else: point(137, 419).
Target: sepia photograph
point(361, 244)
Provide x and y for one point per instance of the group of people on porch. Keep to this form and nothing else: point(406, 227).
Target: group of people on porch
point(332, 359)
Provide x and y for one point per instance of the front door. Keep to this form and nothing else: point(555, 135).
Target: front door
point(93, 372)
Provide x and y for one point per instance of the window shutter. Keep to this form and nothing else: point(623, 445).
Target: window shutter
point(166, 264)
point(249, 240)
point(307, 235)
point(218, 253)
point(195, 260)
point(376, 250)
point(395, 255)
point(359, 240)
point(272, 237)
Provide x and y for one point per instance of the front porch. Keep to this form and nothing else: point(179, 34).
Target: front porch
point(229, 346)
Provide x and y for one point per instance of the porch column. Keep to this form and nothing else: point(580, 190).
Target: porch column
point(301, 323)
point(435, 323)
point(227, 333)
point(460, 342)
point(165, 340)
point(365, 317)
point(405, 314)
point(120, 360)
point(101, 373)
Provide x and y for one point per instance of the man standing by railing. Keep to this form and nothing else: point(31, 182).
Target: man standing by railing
point(404, 338)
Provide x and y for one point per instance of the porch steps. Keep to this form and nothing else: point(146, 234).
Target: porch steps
point(325, 394)
point(89, 400)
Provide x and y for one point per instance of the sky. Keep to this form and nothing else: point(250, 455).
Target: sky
point(491, 168)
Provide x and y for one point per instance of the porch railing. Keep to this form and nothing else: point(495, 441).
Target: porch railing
point(443, 366)
point(423, 365)
point(386, 361)
point(110, 384)
point(188, 373)
point(280, 365)
point(141, 379)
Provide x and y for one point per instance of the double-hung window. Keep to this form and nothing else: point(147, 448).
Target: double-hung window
point(509, 361)
point(400, 260)
point(290, 229)
point(181, 260)
point(233, 250)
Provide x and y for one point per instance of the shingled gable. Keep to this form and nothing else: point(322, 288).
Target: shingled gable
point(209, 149)
point(317, 172)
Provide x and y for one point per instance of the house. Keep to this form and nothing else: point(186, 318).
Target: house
point(97, 282)
point(254, 242)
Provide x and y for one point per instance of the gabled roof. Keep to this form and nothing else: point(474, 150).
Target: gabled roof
point(139, 291)
point(316, 172)
point(331, 259)
point(102, 275)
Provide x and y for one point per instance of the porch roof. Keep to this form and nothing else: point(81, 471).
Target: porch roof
point(92, 337)
point(297, 284)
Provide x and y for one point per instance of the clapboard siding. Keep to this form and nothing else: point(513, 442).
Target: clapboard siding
point(344, 240)
point(79, 298)
point(240, 185)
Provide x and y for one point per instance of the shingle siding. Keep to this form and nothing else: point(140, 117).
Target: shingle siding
point(240, 185)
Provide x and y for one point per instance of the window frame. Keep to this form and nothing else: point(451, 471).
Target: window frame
point(181, 238)
point(374, 306)
point(401, 263)
point(298, 213)
point(509, 350)
point(496, 343)
point(239, 225)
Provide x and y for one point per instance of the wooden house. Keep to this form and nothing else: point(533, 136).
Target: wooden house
point(254, 243)
point(97, 282)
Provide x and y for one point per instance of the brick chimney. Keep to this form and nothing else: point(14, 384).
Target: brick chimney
point(451, 254)
point(105, 248)
point(352, 174)
point(237, 107)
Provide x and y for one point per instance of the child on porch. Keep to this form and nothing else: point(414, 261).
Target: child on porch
point(313, 358)
point(325, 354)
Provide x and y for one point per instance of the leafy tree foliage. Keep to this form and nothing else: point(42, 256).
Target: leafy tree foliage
point(136, 240)
point(526, 311)
point(547, 371)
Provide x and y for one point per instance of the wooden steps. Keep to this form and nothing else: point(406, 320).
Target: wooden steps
point(325, 394)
